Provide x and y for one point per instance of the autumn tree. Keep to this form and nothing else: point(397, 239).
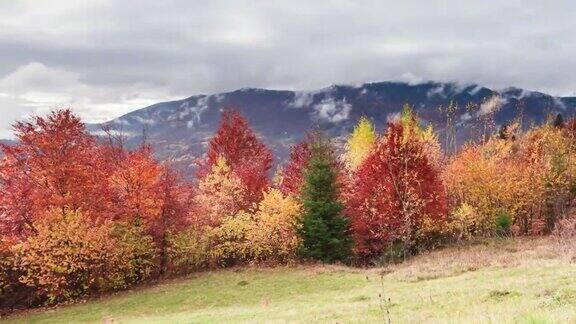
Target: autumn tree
point(151, 194)
point(245, 154)
point(219, 194)
point(71, 256)
point(324, 229)
point(360, 143)
point(292, 175)
point(398, 193)
point(525, 178)
point(55, 164)
point(273, 235)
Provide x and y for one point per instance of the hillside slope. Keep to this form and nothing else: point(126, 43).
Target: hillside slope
point(494, 281)
point(180, 129)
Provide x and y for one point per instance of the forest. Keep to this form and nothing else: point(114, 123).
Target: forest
point(82, 215)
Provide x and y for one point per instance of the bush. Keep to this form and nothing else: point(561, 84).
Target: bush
point(503, 223)
point(529, 177)
point(464, 223)
point(13, 293)
point(475, 186)
point(228, 242)
point(188, 250)
point(396, 252)
point(69, 257)
point(137, 252)
point(565, 227)
point(272, 234)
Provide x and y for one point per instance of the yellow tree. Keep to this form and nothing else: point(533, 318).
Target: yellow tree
point(411, 125)
point(219, 194)
point(360, 142)
point(273, 235)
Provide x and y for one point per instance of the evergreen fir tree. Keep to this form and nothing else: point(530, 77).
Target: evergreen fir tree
point(324, 230)
point(559, 121)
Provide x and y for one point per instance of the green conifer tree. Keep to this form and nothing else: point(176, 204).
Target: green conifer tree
point(324, 230)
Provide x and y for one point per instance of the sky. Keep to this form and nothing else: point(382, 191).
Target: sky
point(104, 58)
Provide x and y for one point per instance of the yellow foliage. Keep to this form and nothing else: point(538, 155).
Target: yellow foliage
point(268, 234)
point(272, 235)
point(228, 242)
point(188, 251)
point(465, 223)
point(6, 269)
point(528, 179)
point(429, 138)
point(220, 194)
point(360, 142)
point(68, 258)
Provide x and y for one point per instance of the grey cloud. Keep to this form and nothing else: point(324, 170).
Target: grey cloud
point(107, 57)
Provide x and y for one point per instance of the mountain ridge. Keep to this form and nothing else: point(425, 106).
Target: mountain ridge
point(180, 129)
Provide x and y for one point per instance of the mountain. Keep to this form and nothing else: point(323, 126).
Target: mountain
point(180, 129)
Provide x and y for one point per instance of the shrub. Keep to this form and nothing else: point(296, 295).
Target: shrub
point(395, 252)
point(69, 257)
point(137, 252)
point(13, 293)
point(66, 258)
point(475, 187)
point(565, 227)
point(528, 176)
point(464, 223)
point(503, 223)
point(188, 250)
point(273, 233)
point(6, 265)
point(228, 242)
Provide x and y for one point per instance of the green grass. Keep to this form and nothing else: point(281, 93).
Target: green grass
point(506, 282)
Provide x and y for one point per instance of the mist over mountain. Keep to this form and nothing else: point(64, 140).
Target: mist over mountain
point(180, 130)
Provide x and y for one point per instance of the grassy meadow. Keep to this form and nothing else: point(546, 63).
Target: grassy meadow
point(495, 281)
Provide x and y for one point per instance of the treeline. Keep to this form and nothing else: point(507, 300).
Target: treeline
point(81, 215)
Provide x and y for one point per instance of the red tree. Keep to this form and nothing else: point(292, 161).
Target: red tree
point(293, 172)
point(300, 154)
point(58, 166)
point(397, 193)
point(151, 194)
point(246, 155)
point(55, 165)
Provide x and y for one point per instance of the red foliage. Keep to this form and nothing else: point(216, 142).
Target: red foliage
point(293, 173)
point(58, 165)
point(55, 165)
point(396, 188)
point(246, 155)
point(149, 192)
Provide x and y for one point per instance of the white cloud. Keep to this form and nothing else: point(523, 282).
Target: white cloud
point(492, 104)
point(436, 91)
point(302, 99)
point(332, 110)
point(35, 88)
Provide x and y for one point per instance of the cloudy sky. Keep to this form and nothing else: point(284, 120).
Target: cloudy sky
point(107, 57)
